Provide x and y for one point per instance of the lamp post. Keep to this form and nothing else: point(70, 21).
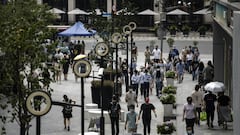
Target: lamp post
point(162, 23)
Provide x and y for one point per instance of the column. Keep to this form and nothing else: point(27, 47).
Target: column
point(71, 6)
point(236, 72)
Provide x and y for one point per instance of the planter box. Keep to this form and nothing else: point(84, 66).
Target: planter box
point(167, 110)
point(170, 81)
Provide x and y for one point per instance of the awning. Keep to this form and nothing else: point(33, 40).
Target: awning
point(78, 11)
point(148, 12)
point(177, 12)
point(202, 12)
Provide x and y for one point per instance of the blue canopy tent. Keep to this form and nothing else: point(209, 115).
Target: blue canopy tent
point(77, 29)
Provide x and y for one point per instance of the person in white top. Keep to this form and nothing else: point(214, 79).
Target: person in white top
point(189, 61)
point(197, 97)
point(189, 114)
point(131, 98)
point(156, 54)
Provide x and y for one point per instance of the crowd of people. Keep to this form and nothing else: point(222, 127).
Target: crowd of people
point(149, 79)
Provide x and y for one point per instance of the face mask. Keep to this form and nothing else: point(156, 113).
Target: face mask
point(131, 110)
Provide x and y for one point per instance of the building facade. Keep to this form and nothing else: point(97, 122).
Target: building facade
point(226, 25)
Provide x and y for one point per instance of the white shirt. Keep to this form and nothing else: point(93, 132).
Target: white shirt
point(189, 56)
point(141, 78)
point(189, 110)
point(135, 79)
point(197, 97)
point(156, 53)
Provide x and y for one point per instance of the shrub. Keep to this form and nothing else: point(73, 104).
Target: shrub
point(166, 128)
point(169, 90)
point(170, 74)
point(168, 99)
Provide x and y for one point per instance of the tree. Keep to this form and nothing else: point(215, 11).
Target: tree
point(22, 37)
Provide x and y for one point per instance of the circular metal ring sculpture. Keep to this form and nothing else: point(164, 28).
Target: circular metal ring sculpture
point(116, 37)
point(38, 103)
point(127, 29)
point(82, 68)
point(101, 49)
point(133, 25)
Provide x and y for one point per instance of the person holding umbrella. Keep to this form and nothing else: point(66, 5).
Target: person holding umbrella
point(209, 100)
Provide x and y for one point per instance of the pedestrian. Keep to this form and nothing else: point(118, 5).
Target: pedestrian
point(147, 79)
point(209, 100)
point(124, 68)
point(114, 112)
point(65, 63)
point(57, 70)
point(200, 74)
point(223, 109)
point(189, 114)
point(208, 73)
point(197, 99)
point(141, 80)
point(180, 70)
point(156, 54)
point(135, 81)
point(134, 51)
point(131, 120)
point(158, 77)
point(195, 64)
point(67, 111)
point(145, 110)
point(147, 54)
point(131, 98)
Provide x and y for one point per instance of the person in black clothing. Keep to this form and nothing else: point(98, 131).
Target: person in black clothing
point(224, 110)
point(209, 100)
point(146, 109)
point(67, 111)
point(114, 112)
point(200, 73)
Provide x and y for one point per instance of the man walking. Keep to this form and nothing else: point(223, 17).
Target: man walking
point(131, 98)
point(114, 112)
point(209, 100)
point(145, 110)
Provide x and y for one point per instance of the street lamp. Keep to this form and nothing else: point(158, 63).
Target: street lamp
point(162, 23)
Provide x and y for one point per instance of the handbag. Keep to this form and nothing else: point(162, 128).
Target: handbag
point(203, 116)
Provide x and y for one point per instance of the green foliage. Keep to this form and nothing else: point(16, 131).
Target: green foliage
point(168, 99)
point(166, 128)
point(202, 28)
point(22, 37)
point(170, 42)
point(170, 74)
point(173, 28)
point(169, 90)
point(186, 28)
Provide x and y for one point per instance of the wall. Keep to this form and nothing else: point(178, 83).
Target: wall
point(236, 71)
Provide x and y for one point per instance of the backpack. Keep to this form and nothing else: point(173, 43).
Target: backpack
point(114, 110)
point(67, 109)
point(158, 74)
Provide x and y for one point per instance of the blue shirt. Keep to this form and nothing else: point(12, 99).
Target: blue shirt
point(135, 79)
point(147, 77)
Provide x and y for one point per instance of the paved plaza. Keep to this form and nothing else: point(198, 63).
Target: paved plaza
point(52, 123)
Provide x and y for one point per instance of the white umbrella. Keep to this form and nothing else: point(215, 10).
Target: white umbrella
point(202, 12)
point(56, 11)
point(90, 133)
point(214, 87)
point(148, 12)
point(177, 12)
point(78, 11)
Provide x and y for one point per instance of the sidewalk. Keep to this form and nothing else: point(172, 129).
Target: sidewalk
point(183, 91)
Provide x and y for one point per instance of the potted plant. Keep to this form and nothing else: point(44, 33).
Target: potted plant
point(170, 75)
point(108, 87)
point(186, 29)
point(170, 42)
point(169, 90)
point(202, 30)
point(168, 100)
point(166, 128)
point(173, 29)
